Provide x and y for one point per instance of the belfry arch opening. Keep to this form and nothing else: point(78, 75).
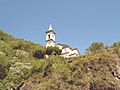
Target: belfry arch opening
point(48, 36)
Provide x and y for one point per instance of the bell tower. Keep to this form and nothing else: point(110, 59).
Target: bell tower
point(50, 37)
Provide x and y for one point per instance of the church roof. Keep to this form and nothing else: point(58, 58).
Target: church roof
point(64, 45)
point(50, 40)
point(50, 29)
point(67, 46)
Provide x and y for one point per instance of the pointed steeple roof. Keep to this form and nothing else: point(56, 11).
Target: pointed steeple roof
point(50, 28)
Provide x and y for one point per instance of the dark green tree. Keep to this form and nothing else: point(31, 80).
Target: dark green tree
point(4, 66)
point(53, 51)
point(116, 48)
point(39, 54)
point(95, 47)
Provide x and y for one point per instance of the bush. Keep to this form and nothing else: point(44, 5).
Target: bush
point(53, 51)
point(39, 54)
point(95, 47)
point(116, 48)
point(4, 66)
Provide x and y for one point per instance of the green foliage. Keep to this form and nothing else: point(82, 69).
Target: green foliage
point(20, 70)
point(22, 45)
point(95, 47)
point(39, 54)
point(36, 66)
point(116, 48)
point(16, 59)
point(5, 37)
point(6, 49)
point(56, 73)
point(4, 66)
point(53, 51)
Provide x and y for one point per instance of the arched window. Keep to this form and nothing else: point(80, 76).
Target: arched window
point(48, 36)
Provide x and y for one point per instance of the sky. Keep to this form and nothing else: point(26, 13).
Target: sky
point(77, 23)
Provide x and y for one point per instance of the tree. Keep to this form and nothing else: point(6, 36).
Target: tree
point(39, 54)
point(4, 66)
point(116, 48)
point(53, 51)
point(95, 47)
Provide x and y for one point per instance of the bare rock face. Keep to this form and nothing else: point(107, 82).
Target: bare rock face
point(118, 69)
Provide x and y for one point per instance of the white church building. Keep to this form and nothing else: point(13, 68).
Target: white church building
point(67, 51)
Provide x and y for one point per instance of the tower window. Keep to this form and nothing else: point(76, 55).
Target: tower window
point(48, 36)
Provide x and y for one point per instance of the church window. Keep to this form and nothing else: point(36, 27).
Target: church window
point(48, 36)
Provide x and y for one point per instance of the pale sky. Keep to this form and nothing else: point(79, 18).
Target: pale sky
point(77, 23)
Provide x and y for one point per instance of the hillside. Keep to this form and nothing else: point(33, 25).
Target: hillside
point(97, 69)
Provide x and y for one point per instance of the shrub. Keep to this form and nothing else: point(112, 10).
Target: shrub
point(95, 47)
point(53, 51)
point(4, 66)
point(116, 48)
point(39, 54)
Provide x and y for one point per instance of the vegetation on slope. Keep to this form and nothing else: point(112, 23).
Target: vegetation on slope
point(21, 68)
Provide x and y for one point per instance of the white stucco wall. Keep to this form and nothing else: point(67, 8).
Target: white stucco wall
point(72, 53)
point(76, 52)
point(68, 52)
point(50, 43)
point(52, 36)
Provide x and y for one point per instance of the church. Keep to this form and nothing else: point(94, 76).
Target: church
point(67, 51)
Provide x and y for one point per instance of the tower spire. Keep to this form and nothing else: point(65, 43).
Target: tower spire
point(50, 28)
point(50, 37)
